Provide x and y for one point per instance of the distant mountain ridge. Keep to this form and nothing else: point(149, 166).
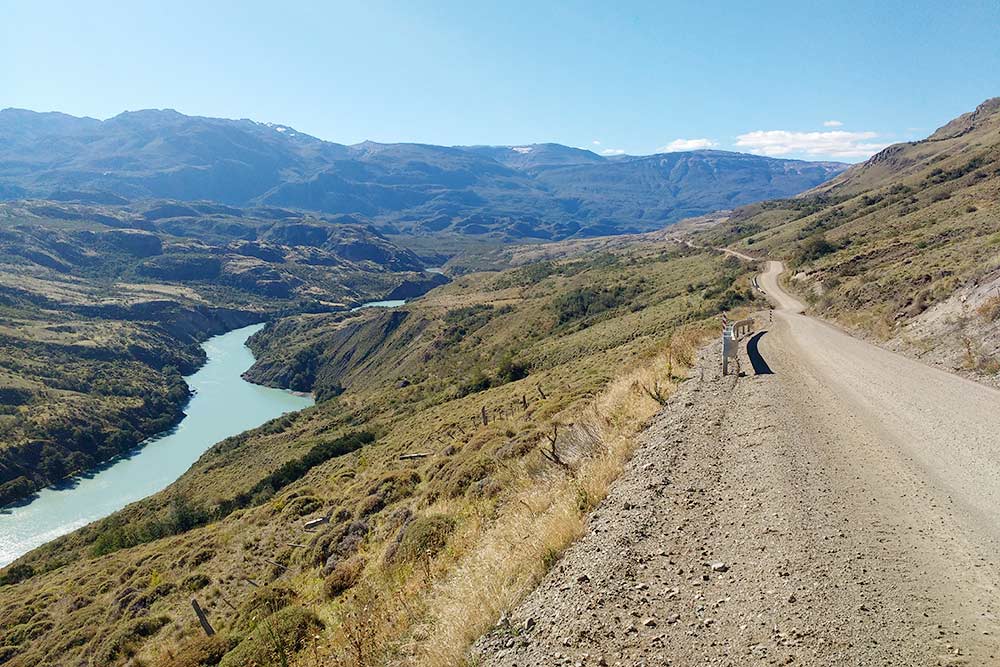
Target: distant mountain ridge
point(541, 191)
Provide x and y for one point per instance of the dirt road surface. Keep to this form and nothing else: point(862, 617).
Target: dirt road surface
point(837, 505)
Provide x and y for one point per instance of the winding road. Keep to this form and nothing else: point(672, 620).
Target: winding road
point(924, 442)
point(939, 427)
point(839, 504)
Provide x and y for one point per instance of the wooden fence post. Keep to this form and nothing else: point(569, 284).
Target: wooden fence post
point(202, 618)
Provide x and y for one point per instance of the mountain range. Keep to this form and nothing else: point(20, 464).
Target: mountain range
point(538, 191)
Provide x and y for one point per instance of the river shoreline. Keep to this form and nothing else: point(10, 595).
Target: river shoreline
point(220, 404)
point(16, 539)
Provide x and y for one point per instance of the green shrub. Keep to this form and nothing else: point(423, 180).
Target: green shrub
point(182, 516)
point(262, 603)
point(302, 505)
point(424, 536)
point(588, 301)
point(814, 248)
point(511, 370)
point(460, 322)
point(16, 574)
point(297, 468)
point(202, 651)
point(734, 298)
point(343, 577)
point(195, 582)
point(126, 641)
point(476, 383)
point(275, 640)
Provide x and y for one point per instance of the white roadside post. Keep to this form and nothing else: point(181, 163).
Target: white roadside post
point(727, 342)
point(730, 336)
point(728, 348)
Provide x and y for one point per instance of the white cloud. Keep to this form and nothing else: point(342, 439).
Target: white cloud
point(686, 145)
point(832, 123)
point(613, 151)
point(596, 142)
point(835, 143)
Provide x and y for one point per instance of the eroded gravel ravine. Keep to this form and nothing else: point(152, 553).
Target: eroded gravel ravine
point(765, 520)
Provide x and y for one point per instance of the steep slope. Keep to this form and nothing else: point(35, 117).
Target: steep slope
point(904, 247)
point(102, 310)
point(965, 137)
point(539, 191)
point(432, 457)
point(834, 505)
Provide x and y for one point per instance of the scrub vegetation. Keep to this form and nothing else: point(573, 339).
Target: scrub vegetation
point(102, 310)
point(461, 441)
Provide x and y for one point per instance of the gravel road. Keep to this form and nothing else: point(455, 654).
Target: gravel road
point(836, 505)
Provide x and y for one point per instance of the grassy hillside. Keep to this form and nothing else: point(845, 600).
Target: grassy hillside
point(454, 458)
point(102, 310)
point(904, 247)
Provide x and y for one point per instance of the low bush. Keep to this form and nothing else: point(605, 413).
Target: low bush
point(343, 577)
point(421, 538)
point(195, 582)
point(201, 651)
point(126, 641)
point(16, 574)
point(814, 248)
point(263, 602)
point(275, 640)
point(589, 301)
point(297, 468)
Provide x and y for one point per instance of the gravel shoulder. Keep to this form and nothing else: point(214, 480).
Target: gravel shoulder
point(836, 511)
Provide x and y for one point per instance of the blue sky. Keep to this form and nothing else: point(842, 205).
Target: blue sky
point(792, 79)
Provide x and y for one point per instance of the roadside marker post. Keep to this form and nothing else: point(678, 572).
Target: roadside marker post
point(727, 343)
point(730, 340)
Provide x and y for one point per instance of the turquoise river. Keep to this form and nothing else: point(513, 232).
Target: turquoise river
point(223, 404)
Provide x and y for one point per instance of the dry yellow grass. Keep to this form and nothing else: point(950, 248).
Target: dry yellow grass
point(431, 613)
point(494, 510)
point(503, 561)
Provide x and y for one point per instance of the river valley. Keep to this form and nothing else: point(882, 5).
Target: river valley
point(223, 404)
